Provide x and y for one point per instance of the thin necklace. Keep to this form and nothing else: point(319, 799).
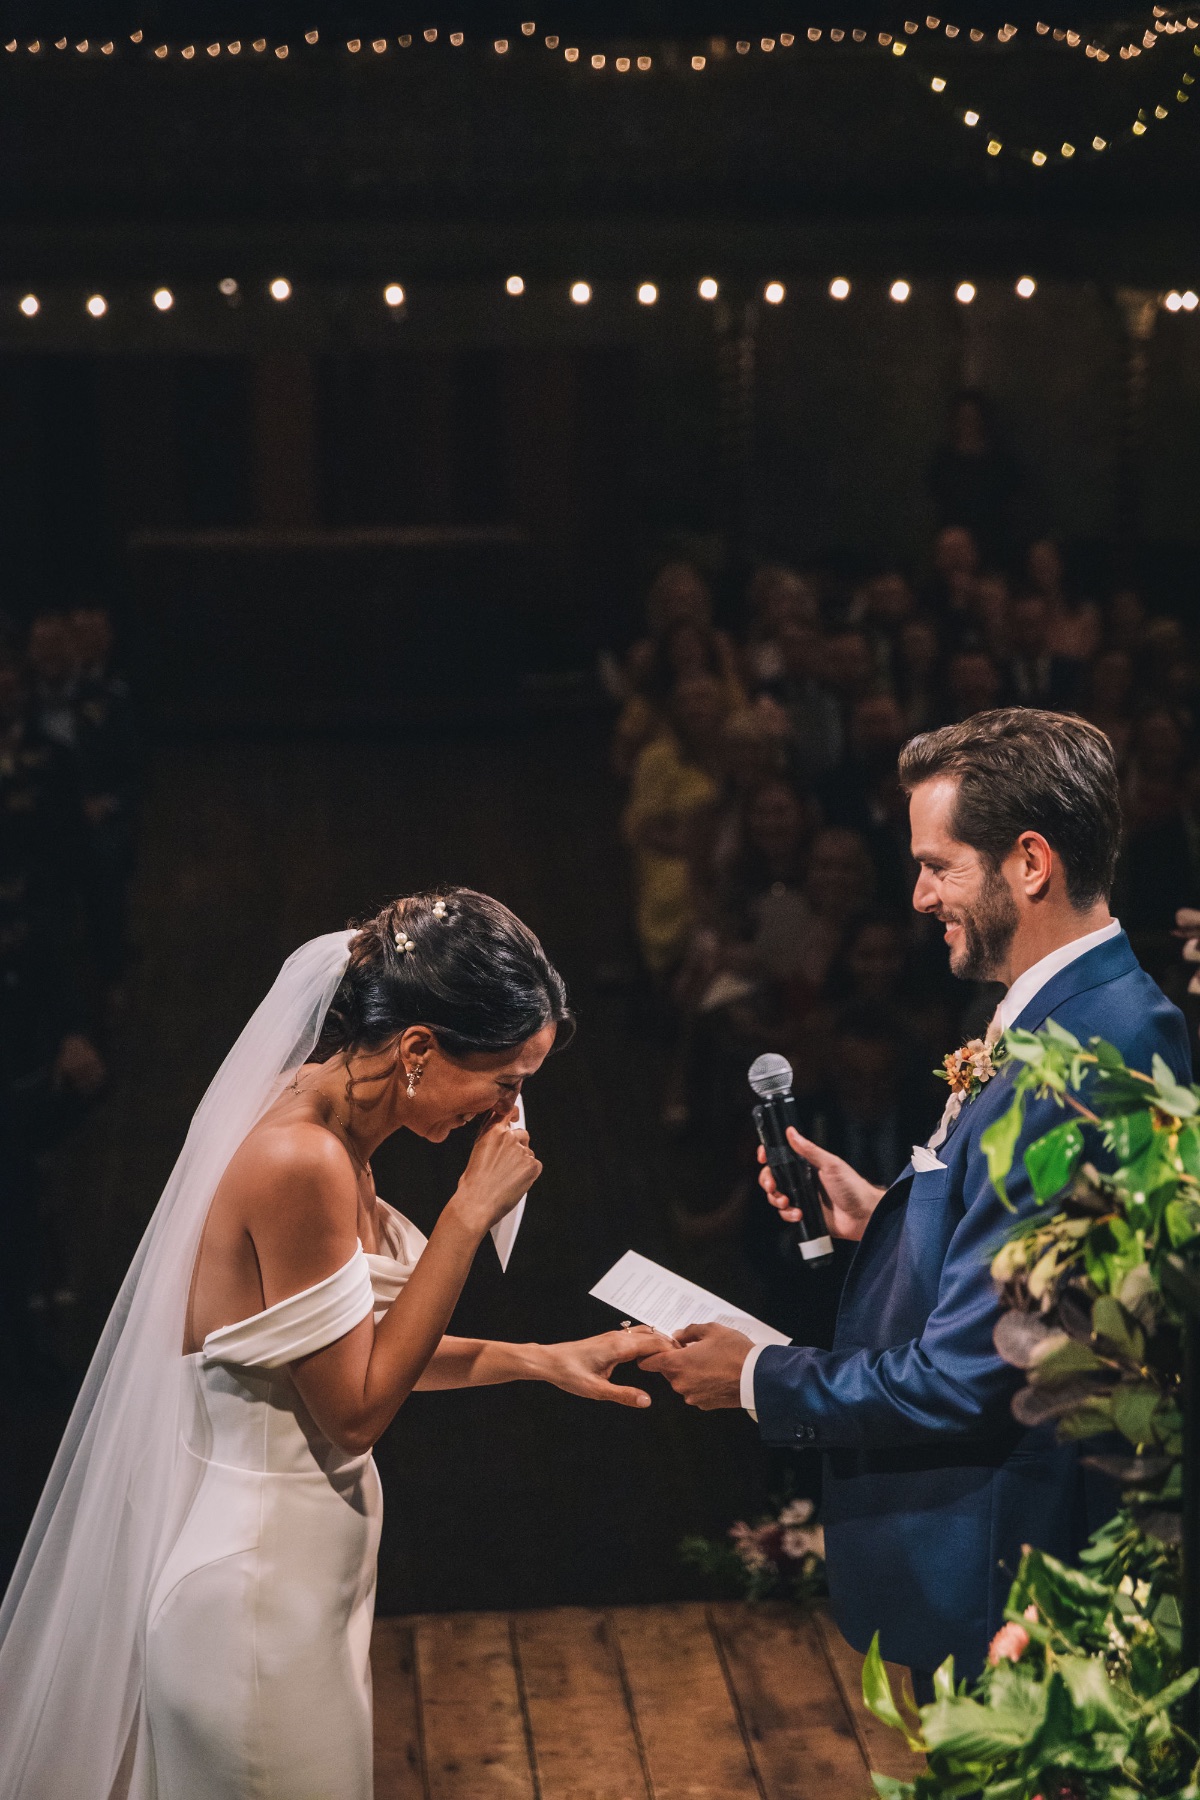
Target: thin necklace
point(343, 1129)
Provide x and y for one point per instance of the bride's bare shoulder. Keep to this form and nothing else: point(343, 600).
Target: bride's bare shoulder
point(298, 1162)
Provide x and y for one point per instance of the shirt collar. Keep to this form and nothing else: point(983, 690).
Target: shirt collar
point(1034, 980)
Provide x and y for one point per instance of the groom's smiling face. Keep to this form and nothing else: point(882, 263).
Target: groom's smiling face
point(960, 887)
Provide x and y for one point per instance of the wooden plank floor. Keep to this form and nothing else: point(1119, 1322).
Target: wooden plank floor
point(680, 1702)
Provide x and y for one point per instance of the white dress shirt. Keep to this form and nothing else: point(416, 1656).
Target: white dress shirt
point(1022, 991)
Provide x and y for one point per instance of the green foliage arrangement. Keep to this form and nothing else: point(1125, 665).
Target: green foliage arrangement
point(1080, 1699)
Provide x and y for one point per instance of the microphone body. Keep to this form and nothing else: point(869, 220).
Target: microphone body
point(771, 1079)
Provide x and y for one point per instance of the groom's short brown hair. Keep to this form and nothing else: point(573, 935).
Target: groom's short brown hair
point(1018, 770)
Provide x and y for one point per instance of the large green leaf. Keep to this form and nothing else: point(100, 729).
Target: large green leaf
point(962, 1728)
point(1189, 1148)
point(1054, 1158)
point(1058, 1591)
point(999, 1143)
point(877, 1694)
point(1128, 1135)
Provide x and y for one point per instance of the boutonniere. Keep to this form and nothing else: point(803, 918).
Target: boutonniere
point(967, 1069)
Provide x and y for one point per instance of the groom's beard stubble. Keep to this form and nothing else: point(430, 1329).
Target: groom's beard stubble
point(988, 930)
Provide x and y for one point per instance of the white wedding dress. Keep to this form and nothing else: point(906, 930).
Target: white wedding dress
point(257, 1680)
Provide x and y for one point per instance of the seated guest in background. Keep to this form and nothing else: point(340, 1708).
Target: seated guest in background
point(1169, 669)
point(973, 684)
point(774, 593)
point(1034, 675)
point(751, 755)
point(1154, 772)
point(675, 782)
point(864, 792)
point(1108, 699)
point(685, 649)
point(808, 712)
point(973, 478)
point(849, 669)
point(870, 1108)
point(878, 969)
point(993, 601)
point(1126, 618)
point(1072, 625)
point(885, 605)
point(949, 595)
point(917, 687)
point(1159, 870)
point(930, 1487)
point(678, 593)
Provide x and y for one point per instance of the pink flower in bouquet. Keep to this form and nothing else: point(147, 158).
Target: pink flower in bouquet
point(754, 1544)
point(1009, 1644)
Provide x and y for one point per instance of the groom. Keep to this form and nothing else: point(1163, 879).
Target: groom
point(930, 1489)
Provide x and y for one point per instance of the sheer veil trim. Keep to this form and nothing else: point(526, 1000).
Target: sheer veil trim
point(72, 1620)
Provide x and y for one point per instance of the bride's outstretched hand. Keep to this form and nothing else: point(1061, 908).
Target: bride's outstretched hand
point(502, 1167)
point(585, 1367)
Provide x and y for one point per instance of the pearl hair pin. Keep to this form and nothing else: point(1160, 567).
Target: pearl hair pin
point(439, 910)
point(404, 944)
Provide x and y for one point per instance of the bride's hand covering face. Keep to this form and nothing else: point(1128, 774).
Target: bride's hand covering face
point(502, 1168)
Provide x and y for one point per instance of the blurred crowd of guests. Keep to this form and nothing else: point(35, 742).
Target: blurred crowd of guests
point(70, 773)
point(768, 835)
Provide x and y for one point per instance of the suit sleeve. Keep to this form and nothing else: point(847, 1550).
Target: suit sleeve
point(949, 1382)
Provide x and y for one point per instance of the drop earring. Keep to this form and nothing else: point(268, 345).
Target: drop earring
point(414, 1075)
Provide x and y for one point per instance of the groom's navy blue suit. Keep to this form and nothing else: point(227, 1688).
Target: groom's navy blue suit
point(930, 1488)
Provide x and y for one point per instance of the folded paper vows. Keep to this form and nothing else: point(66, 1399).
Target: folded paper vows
point(652, 1295)
point(504, 1234)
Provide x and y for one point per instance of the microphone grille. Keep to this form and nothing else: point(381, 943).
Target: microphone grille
point(770, 1076)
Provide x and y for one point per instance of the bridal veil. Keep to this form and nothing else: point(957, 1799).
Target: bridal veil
point(71, 1623)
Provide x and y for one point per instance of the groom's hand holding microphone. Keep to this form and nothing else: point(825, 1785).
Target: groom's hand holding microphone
point(811, 1189)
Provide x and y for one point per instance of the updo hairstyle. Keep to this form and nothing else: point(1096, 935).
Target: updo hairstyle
point(454, 960)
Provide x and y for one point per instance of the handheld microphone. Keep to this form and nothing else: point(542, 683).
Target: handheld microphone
point(771, 1079)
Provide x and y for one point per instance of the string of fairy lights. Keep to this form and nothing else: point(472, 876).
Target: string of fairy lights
point(393, 296)
point(1123, 45)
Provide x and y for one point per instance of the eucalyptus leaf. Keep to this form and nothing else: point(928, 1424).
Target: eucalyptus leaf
point(1134, 1405)
point(1044, 1405)
point(1021, 1338)
point(1114, 1325)
point(1088, 1420)
point(1065, 1358)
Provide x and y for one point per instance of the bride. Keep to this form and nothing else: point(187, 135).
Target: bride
point(191, 1614)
